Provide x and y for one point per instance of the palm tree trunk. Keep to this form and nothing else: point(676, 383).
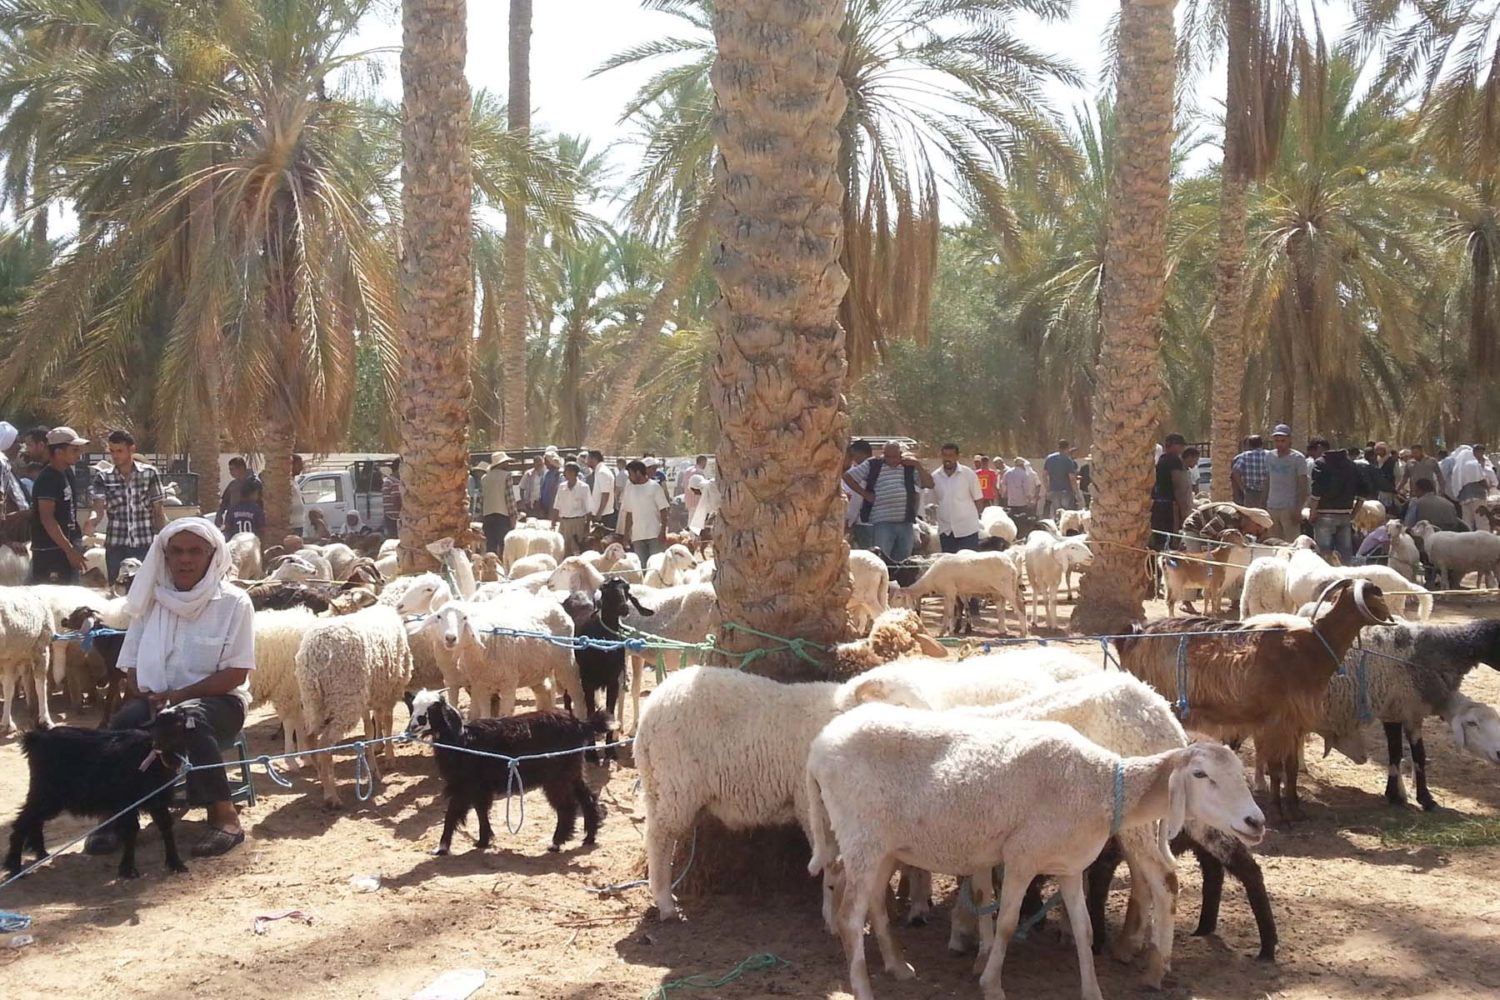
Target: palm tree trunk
point(1127, 405)
point(514, 430)
point(1482, 347)
point(609, 430)
point(437, 276)
point(777, 382)
point(203, 436)
point(276, 476)
point(1227, 330)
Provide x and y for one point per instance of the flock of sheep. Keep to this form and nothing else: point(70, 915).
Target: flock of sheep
point(1035, 761)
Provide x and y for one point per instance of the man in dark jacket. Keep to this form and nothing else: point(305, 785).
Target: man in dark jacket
point(1336, 486)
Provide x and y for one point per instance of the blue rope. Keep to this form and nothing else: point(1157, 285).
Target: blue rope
point(13, 923)
point(610, 890)
point(1182, 679)
point(364, 778)
point(568, 641)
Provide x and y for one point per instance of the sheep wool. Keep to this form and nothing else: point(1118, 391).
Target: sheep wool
point(26, 624)
point(278, 635)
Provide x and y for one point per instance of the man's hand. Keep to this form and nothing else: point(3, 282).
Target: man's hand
point(158, 700)
point(909, 460)
point(75, 559)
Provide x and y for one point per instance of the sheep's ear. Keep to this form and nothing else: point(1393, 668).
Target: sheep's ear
point(439, 598)
point(931, 646)
point(1177, 794)
point(1457, 725)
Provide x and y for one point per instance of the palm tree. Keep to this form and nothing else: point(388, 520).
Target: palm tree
point(931, 87)
point(437, 274)
point(780, 370)
point(288, 275)
point(514, 429)
point(1128, 399)
point(1258, 66)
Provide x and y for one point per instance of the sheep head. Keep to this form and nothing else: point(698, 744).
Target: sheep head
point(1476, 730)
point(1207, 783)
point(80, 619)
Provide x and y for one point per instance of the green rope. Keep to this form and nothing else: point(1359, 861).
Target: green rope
point(661, 665)
point(798, 646)
point(755, 963)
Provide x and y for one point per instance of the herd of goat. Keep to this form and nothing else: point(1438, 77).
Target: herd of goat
point(1037, 761)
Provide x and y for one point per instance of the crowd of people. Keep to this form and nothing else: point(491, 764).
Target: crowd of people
point(1321, 488)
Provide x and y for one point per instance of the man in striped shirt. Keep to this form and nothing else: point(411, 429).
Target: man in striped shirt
point(131, 494)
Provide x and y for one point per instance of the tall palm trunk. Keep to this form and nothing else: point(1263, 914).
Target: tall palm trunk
point(1482, 336)
point(777, 381)
point(437, 276)
point(514, 429)
point(281, 428)
point(1127, 405)
point(609, 430)
point(203, 435)
point(1303, 356)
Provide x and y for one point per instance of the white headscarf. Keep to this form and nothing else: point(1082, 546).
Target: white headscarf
point(155, 605)
point(8, 434)
point(707, 506)
point(1466, 469)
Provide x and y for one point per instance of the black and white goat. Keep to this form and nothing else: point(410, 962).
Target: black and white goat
point(97, 773)
point(602, 669)
point(107, 646)
point(473, 782)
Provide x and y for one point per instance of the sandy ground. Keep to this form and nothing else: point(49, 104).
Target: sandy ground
point(1358, 915)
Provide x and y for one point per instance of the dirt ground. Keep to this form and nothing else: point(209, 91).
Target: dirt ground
point(1359, 914)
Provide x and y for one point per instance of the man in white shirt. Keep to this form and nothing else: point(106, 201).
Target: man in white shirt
point(693, 478)
point(644, 509)
point(531, 486)
point(497, 505)
point(959, 501)
point(190, 647)
point(1016, 485)
point(570, 510)
point(622, 480)
point(602, 486)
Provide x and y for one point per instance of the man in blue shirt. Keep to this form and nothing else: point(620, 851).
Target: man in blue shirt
point(1062, 480)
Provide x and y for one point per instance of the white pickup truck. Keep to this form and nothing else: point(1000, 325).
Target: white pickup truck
point(335, 492)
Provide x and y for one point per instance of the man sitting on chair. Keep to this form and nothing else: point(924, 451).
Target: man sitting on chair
point(190, 647)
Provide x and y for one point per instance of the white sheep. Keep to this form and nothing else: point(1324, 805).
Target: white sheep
point(960, 794)
point(433, 664)
point(341, 558)
point(994, 522)
point(1307, 576)
point(616, 559)
point(244, 556)
point(62, 600)
point(301, 566)
point(456, 564)
point(389, 547)
point(540, 564)
point(869, 588)
point(1457, 553)
point(1074, 521)
point(531, 539)
point(1264, 591)
point(278, 635)
point(1404, 557)
point(497, 663)
point(576, 573)
point(689, 613)
point(389, 566)
point(352, 670)
point(957, 575)
point(670, 568)
point(26, 625)
point(988, 679)
point(1049, 559)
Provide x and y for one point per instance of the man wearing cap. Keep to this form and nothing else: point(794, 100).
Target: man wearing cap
point(1287, 484)
point(550, 480)
point(56, 542)
point(497, 505)
point(131, 493)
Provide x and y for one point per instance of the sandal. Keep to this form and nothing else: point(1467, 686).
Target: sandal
point(217, 842)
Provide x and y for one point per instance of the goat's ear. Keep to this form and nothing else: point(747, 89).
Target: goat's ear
point(1457, 725)
point(409, 698)
point(640, 608)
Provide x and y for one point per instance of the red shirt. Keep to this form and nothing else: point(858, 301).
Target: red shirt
point(987, 480)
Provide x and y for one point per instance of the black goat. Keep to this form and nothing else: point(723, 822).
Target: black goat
point(602, 669)
point(1215, 853)
point(85, 620)
point(473, 782)
point(97, 773)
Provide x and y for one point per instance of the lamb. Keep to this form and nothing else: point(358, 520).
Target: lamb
point(1074, 522)
point(576, 573)
point(528, 539)
point(688, 613)
point(994, 522)
point(351, 670)
point(1264, 677)
point(278, 635)
point(1404, 673)
point(617, 559)
point(1125, 716)
point(1457, 553)
point(496, 663)
point(98, 773)
point(433, 664)
point(1307, 575)
point(245, 556)
point(1213, 572)
point(25, 647)
point(1264, 591)
point(669, 568)
point(971, 574)
point(1404, 556)
point(300, 567)
point(541, 563)
point(1048, 560)
point(869, 588)
point(887, 784)
point(61, 599)
point(104, 649)
point(472, 782)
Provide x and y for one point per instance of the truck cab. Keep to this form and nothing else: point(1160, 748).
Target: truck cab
point(334, 492)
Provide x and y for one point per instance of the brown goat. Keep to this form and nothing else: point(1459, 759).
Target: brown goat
point(1265, 677)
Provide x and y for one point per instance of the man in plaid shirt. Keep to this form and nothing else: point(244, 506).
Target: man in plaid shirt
point(1250, 474)
point(131, 494)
